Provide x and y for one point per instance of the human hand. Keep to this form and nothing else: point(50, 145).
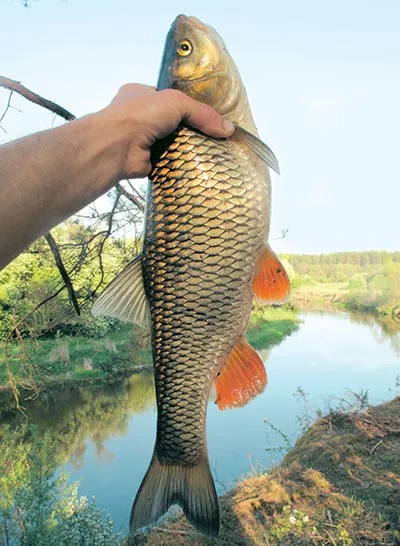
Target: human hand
point(149, 115)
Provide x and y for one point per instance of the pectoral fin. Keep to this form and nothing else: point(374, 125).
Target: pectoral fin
point(258, 147)
point(242, 377)
point(125, 298)
point(271, 283)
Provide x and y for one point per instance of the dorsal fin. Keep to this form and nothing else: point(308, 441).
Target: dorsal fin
point(125, 298)
point(258, 147)
point(271, 283)
point(241, 378)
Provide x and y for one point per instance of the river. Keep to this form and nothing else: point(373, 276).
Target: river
point(108, 434)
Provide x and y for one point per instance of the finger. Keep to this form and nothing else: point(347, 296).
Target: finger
point(203, 117)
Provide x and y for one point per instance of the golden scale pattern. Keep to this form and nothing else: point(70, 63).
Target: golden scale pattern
point(206, 223)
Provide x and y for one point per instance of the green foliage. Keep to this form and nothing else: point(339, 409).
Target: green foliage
point(268, 326)
point(67, 358)
point(89, 326)
point(357, 283)
point(36, 507)
point(33, 278)
point(364, 281)
point(291, 522)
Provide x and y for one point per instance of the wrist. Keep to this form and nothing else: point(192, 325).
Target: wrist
point(127, 146)
point(111, 135)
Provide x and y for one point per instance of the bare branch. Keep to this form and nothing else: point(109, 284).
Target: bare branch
point(283, 234)
point(130, 197)
point(6, 110)
point(140, 195)
point(63, 272)
point(106, 236)
point(13, 85)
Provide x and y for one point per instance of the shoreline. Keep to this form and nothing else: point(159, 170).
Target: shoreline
point(338, 485)
point(110, 357)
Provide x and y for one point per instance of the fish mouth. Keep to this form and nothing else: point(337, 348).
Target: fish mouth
point(211, 74)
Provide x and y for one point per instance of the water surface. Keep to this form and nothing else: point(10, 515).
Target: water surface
point(108, 434)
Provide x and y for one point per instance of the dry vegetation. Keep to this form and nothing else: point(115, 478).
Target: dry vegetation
point(340, 485)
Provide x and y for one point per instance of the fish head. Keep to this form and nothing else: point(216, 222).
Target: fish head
point(197, 62)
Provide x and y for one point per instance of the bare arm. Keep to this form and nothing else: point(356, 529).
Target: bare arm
point(48, 176)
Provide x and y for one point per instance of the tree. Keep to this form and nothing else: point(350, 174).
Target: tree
point(84, 240)
point(357, 283)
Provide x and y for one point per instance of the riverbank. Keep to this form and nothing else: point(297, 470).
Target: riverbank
point(328, 296)
point(339, 485)
point(75, 359)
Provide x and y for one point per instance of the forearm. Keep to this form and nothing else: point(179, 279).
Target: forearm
point(47, 177)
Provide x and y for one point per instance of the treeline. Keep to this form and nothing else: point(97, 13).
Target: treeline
point(340, 266)
point(370, 281)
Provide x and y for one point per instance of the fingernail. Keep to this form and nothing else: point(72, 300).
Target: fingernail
point(228, 126)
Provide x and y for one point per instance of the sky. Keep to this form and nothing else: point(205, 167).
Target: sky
point(323, 79)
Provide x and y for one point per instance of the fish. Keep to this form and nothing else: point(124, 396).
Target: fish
point(205, 258)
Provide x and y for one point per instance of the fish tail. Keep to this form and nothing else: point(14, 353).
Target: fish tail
point(165, 484)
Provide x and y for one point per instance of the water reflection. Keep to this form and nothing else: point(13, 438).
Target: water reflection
point(77, 415)
point(382, 329)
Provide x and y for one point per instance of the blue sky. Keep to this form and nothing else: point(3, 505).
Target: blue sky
point(323, 80)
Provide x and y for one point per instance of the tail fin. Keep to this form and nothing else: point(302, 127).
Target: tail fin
point(192, 487)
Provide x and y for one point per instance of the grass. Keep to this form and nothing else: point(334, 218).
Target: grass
point(75, 359)
point(319, 295)
point(339, 486)
point(270, 325)
point(70, 358)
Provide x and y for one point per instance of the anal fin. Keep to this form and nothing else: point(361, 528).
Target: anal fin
point(271, 283)
point(242, 377)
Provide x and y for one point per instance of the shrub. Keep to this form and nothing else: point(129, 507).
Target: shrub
point(36, 506)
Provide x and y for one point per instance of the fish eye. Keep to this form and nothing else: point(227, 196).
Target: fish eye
point(184, 48)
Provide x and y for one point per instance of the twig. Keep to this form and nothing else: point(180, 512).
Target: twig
point(103, 242)
point(6, 110)
point(21, 321)
point(140, 195)
point(130, 197)
point(283, 234)
point(251, 465)
point(13, 85)
point(184, 533)
point(376, 447)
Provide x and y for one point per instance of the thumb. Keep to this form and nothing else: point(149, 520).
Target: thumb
point(203, 117)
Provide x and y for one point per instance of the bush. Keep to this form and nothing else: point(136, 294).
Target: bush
point(89, 326)
point(357, 283)
point(36, 507)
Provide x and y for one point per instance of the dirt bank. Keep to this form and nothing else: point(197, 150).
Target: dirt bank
point(339, 485)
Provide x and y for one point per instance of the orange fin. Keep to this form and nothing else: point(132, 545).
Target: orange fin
point(241, 378)
point(271, 283)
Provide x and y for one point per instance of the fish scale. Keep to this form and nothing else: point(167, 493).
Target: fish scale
point(206, 223)
point(205, 256)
